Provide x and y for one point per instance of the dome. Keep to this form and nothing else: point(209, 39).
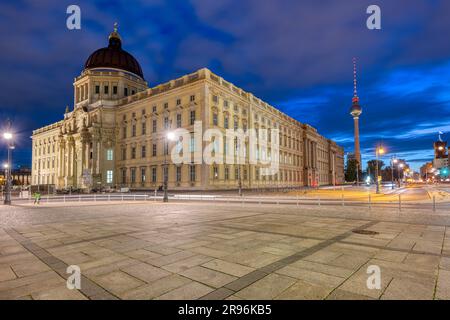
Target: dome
point(114, 57)
point(355, 109)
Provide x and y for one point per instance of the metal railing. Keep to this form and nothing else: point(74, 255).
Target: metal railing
point(261, 199)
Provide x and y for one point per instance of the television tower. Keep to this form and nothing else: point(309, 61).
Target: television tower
point(356, 111)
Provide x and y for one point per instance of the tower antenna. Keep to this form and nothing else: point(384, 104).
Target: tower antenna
point(355, 82)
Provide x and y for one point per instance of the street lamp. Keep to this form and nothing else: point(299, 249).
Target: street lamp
point(170, 136)
point(8, 137)
point(378, 151)
point(393, 161)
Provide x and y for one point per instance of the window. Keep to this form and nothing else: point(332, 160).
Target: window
point(144, 128)
point(114, 89)
point(133, 130)
point(236, 124)
point(179, 120)
point(192, 144)
point(154, 109)
point(215, 172)
point(143, 177)
point(143, 112)
point(179, 146)
point(109, 154)
point(178, 102)
point(124, 175)
point(125, 92)
point(154, 125)
point(133, 175)
point(153, 174)
point(215, 99)
point(236, 173)
point(166, 105)
point(124, 132)
point(166, 123)
point(97, 89)
point(133, 153)
point(192, 173)
point(227, 173)
point(192, 118)
point(109, 176)
point(154, 150)
point(178, 174)
point(192, 98)
point(215, 120)
point(106, 89)
point(225, 122)
point(166, 148)
point(124, 154)
point(143, 152)
point(225, 103)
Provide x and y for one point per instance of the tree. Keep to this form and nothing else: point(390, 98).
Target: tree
point(371, 166)
point(350, 170)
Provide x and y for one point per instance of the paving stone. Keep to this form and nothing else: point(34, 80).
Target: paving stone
point(59, 293)
point(169, 259)
point(6, 273)
point(145, 272)
point(406, 289)
point(156, 288)
point(230, 268)
point(443, 285)
point(193, 290)
point(302, 290)
point(267, 288)
point(207, 276)
point(339, 294)
point(118, 282)
point(182, 265)
point(311, 276)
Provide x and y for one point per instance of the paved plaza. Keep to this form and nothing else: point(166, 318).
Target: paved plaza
point(189, 250)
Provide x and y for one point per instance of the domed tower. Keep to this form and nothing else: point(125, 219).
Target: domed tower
point(109, 74)
point(356, 111)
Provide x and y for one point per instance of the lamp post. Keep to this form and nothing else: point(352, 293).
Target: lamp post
point(378, 151)
point(393, 162)
point(170, 136)
point(401, 166)
point(8, 137)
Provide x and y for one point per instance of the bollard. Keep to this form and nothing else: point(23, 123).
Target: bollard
point(109, 197)
point(343, 200)
point(79, 197)
point(399, 202)
point(64, 197)
point(319, 201)
point(122, 196)
point(95, 198)
point(134, 197)
point(297, 200)
point(434, 203)
point(370, 201)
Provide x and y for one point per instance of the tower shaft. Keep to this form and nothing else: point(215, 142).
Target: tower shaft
point(356, 137)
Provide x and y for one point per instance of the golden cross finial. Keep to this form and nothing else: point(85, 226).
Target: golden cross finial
point(116, 25)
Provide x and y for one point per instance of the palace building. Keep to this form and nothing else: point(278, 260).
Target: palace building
point(115, 134)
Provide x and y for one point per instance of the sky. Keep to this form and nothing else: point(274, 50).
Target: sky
point(296, 55)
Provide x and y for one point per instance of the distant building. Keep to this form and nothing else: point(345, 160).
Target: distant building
point(441, 157)
point(426, 170)
point(20, 177)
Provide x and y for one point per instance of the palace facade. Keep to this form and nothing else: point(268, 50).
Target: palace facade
point(115, 134)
